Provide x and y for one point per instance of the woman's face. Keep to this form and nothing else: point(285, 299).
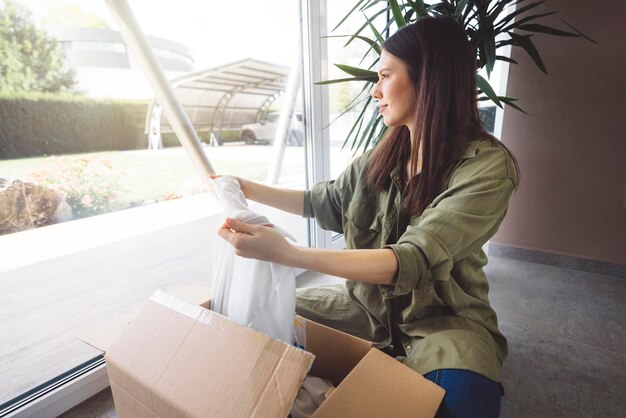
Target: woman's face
point(394, 91)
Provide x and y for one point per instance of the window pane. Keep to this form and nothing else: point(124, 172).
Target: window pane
point(82, 238)
point(344, 97)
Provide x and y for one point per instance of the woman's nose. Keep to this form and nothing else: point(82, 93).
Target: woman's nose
point(376, 92)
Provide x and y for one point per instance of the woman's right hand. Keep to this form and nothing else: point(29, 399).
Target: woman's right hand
point(261, 242)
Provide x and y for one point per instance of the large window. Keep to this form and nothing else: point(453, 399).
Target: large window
point(345, 103)
point(92, 220)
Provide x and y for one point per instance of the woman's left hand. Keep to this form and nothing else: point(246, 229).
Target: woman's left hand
point(256, 241)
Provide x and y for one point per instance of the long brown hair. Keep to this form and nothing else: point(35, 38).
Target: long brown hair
point(442, 67)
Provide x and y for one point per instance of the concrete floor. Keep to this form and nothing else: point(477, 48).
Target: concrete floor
point(567, 342)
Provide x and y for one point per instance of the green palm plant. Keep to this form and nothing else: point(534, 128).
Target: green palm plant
point(489, 25)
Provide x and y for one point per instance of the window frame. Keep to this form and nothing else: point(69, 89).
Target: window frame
point(59, 395)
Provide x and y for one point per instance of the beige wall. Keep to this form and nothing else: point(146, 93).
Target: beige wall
point(572, 149)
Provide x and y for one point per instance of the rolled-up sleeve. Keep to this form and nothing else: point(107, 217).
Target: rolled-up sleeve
point(458, 223)
point(327, 201)
point(324, 203)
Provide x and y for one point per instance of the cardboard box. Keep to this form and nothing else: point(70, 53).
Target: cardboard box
point(178, 359)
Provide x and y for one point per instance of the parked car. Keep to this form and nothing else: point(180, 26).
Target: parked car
point(265, 130)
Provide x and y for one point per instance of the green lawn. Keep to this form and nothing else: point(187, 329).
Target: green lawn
point(148, 177)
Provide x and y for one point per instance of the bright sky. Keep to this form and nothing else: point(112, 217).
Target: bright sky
point(217, 31)
point(220, 31)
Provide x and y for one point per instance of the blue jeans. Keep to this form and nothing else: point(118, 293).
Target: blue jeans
point(468, 394)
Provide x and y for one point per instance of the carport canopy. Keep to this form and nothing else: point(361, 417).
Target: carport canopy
point(225, 97)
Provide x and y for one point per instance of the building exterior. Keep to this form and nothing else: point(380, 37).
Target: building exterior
point(104, 67)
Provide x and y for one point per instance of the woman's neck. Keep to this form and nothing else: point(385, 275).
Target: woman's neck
point(410, 172)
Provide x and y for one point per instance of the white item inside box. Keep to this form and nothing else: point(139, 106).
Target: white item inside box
point(313, 392)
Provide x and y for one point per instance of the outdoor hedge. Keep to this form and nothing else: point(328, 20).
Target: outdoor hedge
point(228, 135)
point(43, 124)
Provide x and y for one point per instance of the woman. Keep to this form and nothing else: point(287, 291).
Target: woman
point(415, 213)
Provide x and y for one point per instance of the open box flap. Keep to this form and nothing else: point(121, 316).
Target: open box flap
point(336, 353)
point(174, 355)
point(106, 333)
point(380, 386)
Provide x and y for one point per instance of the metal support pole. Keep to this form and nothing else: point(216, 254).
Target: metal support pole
point(315, 62)
point(140, 48)
point(284, 121)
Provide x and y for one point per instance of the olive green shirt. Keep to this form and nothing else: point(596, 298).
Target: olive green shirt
point(438, 309)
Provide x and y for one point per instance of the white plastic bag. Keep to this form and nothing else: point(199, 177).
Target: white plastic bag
point(254, 293)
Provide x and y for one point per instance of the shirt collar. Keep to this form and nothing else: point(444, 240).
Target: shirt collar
point(469, 151)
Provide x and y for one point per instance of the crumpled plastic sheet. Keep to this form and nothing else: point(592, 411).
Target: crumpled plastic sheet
point(254, 293)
